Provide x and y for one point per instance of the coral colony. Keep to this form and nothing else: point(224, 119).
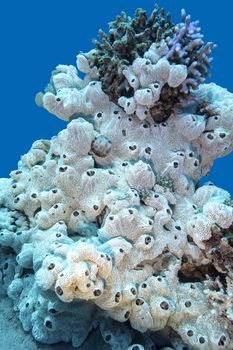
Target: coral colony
point(105, 228)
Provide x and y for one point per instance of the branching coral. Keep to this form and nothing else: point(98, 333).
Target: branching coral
point(105, 226)
point(128, 39)
point(152, 38)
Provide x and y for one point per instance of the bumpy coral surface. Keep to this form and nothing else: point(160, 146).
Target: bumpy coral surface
point(105, 226)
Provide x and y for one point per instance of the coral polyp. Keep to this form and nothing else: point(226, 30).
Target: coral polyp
point(105, 228)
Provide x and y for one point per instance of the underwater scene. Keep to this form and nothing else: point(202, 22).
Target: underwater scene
point(116, 215)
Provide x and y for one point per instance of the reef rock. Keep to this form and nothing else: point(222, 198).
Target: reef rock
point(105, 226)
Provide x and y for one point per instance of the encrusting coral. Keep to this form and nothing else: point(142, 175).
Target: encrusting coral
point(105, 226)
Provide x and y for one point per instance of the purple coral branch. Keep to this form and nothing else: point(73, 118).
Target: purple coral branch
point(188, 48)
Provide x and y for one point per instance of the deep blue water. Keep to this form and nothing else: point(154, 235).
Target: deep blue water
point(38, 35)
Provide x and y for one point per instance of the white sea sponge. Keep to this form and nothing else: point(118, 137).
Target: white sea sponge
point(127, 223)
point(129, 104)
point(209, 193)
point(199, 228)
point(191, 126)
point(144, 97)
point(161, 71)
point(177, 75)
point(156, 51)
point(38, 153)
point(64, 105)
point(142, 112)
point(109, 217)
point(131, 76)
point(69, 102)
point(221, 214)
point(147, 76)
point(84, 66)
point(66, 76)
point(47, 275)
point(81, 135)
point(140, 176)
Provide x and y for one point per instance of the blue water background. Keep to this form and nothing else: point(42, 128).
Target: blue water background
point(35, 36)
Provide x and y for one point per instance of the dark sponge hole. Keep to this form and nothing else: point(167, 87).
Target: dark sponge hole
point(48, 324)
point(108, 337)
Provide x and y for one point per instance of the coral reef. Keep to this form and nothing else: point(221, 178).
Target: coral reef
point(147, 65)
point(151, 38)
point(105, 228)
